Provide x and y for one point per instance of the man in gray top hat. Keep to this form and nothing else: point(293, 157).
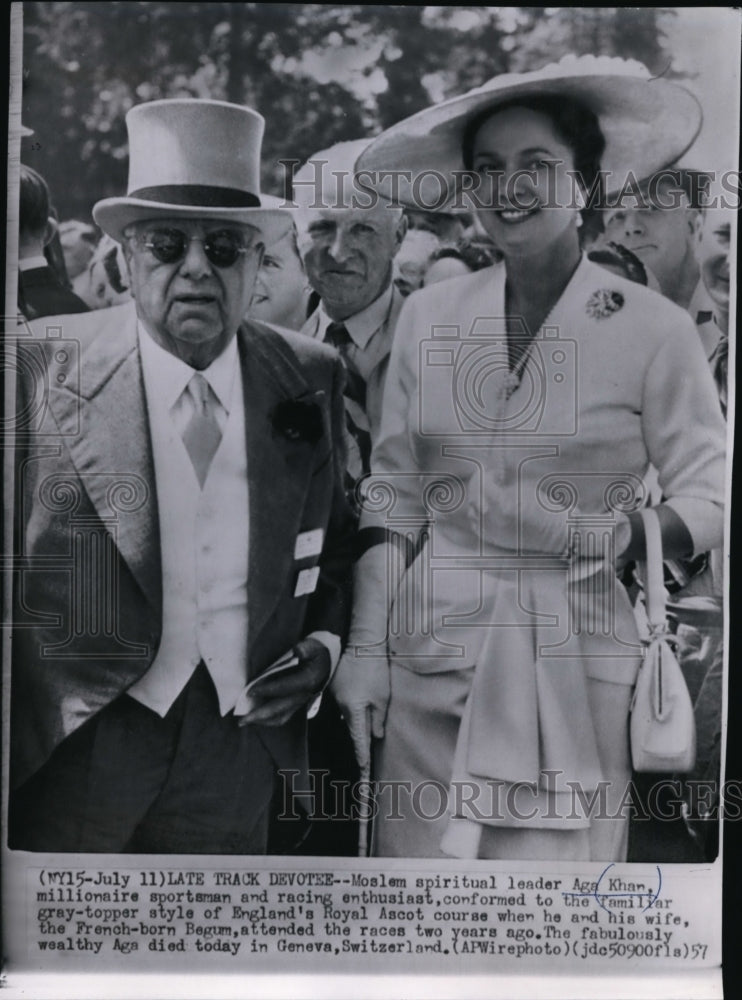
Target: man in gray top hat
point(183, 525)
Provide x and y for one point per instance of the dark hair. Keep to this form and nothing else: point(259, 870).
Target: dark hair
point(476, 253)
point(34, 201)
point(574, 122)
point(620, 256)
point(443, 252)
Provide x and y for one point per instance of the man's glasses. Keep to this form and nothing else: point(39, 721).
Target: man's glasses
point(223, 248)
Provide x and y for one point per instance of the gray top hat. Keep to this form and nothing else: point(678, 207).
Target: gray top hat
point(193, 159)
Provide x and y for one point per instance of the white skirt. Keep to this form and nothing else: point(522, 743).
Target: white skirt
point(413, 769)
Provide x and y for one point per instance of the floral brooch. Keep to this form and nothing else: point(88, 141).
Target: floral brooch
point(603, 303)
point(298, 420)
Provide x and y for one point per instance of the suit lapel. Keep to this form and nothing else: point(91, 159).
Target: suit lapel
point(279, 469)
point(105, 418)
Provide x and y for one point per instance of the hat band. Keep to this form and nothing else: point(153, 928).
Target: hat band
point(197, 196)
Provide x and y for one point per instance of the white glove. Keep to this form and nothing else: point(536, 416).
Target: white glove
point(361, 687)
point(361, 683)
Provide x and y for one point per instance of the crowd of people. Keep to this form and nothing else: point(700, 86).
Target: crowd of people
point(370, 445)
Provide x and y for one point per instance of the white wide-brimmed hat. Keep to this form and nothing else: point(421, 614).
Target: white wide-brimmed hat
point(647, 122)
point(191, 158)
point(331, 178)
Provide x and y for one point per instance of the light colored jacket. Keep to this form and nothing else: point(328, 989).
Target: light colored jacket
point(511, 479)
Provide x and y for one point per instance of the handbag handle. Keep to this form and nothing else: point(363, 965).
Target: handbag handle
point(654, 578)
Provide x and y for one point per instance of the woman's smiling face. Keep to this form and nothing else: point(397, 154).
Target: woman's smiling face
point(526, 165)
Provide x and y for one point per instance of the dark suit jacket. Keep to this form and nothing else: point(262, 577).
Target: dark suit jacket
point(41, 293)
point(88, 593)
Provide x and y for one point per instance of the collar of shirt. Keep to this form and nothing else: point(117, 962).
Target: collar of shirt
point(710, 333)
point(31, 263)
point(703, 314)
point(171, 375)
point(364, 324)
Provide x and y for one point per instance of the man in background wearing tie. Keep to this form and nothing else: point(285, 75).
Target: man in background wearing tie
point(348, 246)
point(182, 523)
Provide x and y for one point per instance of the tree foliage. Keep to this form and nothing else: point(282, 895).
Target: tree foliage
point(319, 73)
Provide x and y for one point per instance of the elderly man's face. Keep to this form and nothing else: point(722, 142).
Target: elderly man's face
point(661, 237)
point(348, 254)
point(192, 302)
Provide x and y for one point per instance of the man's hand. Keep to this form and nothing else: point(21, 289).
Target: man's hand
point(361, 688)
point(281, 696)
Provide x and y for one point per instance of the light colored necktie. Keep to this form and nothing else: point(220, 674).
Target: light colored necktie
point(202, 435)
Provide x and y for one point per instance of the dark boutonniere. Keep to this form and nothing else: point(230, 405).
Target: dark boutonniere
point(298, 420)
point(604, 303)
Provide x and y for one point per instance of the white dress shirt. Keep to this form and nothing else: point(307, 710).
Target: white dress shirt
point(32, 263)
point(701, 309)
point(365, 350)
point(204, 533)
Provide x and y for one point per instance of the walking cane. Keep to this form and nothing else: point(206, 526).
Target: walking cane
point(365, 800)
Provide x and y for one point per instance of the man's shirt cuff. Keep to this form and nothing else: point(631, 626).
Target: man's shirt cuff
point(333, 645)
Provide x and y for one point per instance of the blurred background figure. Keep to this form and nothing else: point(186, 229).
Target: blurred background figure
point(78, 241)
point(696, 585)
point(105, 281)
point(282, 290)
point(468, 255)
point(447, 226)
point(419, 248)
point(712, 250)
point(617, 259)
point(661, 227)
point(40, 291)
point(448, 262)
point(699, 608)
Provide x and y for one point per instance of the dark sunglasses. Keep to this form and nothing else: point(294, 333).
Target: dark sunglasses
point(222, 247)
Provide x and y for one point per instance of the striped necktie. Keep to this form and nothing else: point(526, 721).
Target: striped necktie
point(355, 390)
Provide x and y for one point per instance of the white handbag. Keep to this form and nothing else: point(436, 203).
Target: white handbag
point(662, 728)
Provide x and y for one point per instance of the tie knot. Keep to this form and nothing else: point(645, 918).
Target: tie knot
point(200, 390)
point(337, 334)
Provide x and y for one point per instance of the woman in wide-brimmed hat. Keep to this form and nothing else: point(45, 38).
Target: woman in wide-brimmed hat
point(524, 405)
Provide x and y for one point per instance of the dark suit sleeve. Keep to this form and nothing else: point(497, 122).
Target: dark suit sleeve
point(330, 606)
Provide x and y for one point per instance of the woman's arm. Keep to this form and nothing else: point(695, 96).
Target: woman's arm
point(685, 435)
point(361, 682)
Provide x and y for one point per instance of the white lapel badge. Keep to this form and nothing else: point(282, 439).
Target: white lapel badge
point(306, 581)
point(308, 543)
